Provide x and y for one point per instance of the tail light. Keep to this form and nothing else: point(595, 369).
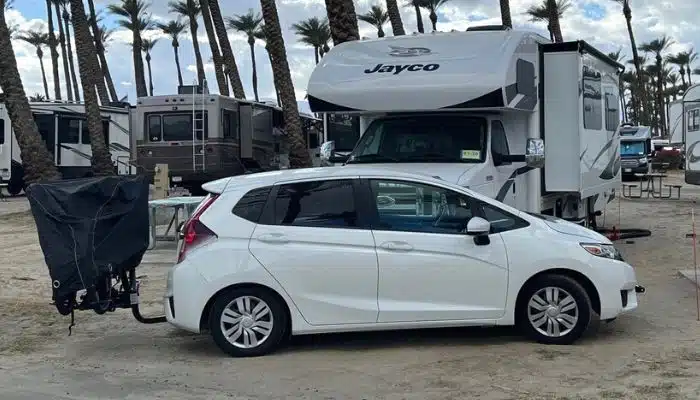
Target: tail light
point(194, 232)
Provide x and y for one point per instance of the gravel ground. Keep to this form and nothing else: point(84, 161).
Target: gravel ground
point(653, 353)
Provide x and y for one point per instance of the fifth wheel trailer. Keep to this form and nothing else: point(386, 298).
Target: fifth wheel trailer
point(463, 106)
point(691, 133)
point(63, 128)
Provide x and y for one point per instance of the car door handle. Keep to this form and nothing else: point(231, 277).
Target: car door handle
point(273, 238)
point(396, 246)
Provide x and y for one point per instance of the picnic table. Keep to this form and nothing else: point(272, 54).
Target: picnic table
point(186, 203)
point(652, 188)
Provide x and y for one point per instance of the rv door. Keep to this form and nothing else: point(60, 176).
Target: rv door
point(692, 143)
point(245, 113)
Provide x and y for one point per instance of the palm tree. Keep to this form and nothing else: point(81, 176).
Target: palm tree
point(62, 41)
point(69, 47)
point(37, 97)
point(658, 46)
point(103, 65)
point(432, 6)
point(174, 29)
point(260, 35)
point(377, 17)
point(392, 7)
point(342, 20)
point(298, 154)
point(550, 11)
point(38, 40)
point(53, 43)
point(133, 18)
point(214, 46)
point(89, 76)
point(416, 4)
point(505, 14)
point(191, 10)
point(248, 24)
point(627, 12)
point(692, 56)
point(147, 46)
point(37, 161)
point(680, 60)
point(231, 69)
point(314, 32)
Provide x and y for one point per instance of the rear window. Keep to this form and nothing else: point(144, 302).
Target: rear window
point(250, 206)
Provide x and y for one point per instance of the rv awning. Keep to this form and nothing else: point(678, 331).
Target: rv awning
point(458, 70)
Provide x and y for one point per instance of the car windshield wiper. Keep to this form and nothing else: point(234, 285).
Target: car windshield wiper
point(371, 158)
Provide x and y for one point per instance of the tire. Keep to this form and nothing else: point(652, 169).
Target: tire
point(574, 326)
point(233, 302)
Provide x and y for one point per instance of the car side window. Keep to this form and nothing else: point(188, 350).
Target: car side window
point(251, 205)
point(501, 220)
point(414, 207)
point(322, 204)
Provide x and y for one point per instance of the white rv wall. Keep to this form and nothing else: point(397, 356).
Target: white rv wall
point(6, 146)
point(675, 118)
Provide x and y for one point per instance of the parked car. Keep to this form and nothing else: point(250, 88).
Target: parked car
point(357, 248)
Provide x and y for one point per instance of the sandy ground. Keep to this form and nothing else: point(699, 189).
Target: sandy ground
point(653, 353)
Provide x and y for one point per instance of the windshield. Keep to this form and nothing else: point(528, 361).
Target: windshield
point(427, 138)
point(632, 148)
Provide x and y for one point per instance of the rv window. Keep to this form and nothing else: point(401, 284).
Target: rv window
point(68, 130)
point(229, 124)
point(86, 132)
point(592, 99)
point(612, 112)
point(499, 142)
point(177, 127)
point(2, 131)
point(693, 120)
point(344, 130)
point(154, 128)
point(426, 138)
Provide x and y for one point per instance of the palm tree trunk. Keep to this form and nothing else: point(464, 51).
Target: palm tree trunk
point(74, 79)
point(419, 18)
point(89, 75)
point(392, 8)
point(554, 20)
point(229, 60)
point(505, 14)
point(298, 154)
point(177, 64)
point(139, 73)
point(342, 20)
point(40, 54)
point(690, 80)
point(197, 53)
point(215, 54)
point(37, 161)
point(150, 74)
point(433, 19)
point(255, 69)
point(62, 42)
point(316, 54)
point(682, 72)
point(627, 11)
point(54, 53)
point(104, 67)
point(274, 80)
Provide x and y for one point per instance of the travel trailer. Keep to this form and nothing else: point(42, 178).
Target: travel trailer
point(504, 112)
point(691, 133)
point(63, 127)
point(635, 149)
point(203, 137)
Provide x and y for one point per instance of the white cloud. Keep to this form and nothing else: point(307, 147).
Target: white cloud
point(651, 19)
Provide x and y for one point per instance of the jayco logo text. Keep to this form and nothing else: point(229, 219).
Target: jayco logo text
point(397, 69)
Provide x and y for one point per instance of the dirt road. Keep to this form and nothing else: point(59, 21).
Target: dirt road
point(651, 354)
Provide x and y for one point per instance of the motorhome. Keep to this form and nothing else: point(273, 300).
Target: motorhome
point(202, 136)
point(504, 112)
point(635, 149)
point(63, 127)
point(691, 133)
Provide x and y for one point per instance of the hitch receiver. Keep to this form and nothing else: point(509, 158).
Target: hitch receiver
point(639, 289)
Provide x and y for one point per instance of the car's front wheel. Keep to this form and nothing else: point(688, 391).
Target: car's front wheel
point(554, 309)
point(247, 322)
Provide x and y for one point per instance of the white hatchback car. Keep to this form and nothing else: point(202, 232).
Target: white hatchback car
point(318, 250)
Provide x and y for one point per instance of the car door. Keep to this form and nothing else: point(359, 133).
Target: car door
point(429, 269)
point(313, 240)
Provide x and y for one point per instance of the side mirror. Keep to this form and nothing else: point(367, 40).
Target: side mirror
point(534, 153)
point(326, 150)
point(478, 226)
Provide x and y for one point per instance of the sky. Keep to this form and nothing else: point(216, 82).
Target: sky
point(599, 22)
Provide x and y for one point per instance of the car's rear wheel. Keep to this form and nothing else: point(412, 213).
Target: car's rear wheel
point(554, 309)
point(247, 322)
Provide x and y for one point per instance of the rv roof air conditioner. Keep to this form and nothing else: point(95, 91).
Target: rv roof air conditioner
point(488, 28)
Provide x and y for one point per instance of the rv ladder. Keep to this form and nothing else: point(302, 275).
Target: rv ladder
point(198, 128)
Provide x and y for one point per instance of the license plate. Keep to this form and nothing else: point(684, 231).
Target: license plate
point(177, 179)
point(628, 169)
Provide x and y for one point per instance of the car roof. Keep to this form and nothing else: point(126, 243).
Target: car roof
point(286, 175)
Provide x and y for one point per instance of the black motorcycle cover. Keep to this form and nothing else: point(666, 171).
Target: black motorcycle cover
point(90, 228)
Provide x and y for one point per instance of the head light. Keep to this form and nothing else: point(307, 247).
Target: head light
point(602, 250)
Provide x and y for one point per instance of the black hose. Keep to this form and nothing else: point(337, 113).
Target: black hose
point(624, 234)
point(131, 282)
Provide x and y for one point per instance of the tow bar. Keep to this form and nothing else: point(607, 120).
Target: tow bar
point(134, 286)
